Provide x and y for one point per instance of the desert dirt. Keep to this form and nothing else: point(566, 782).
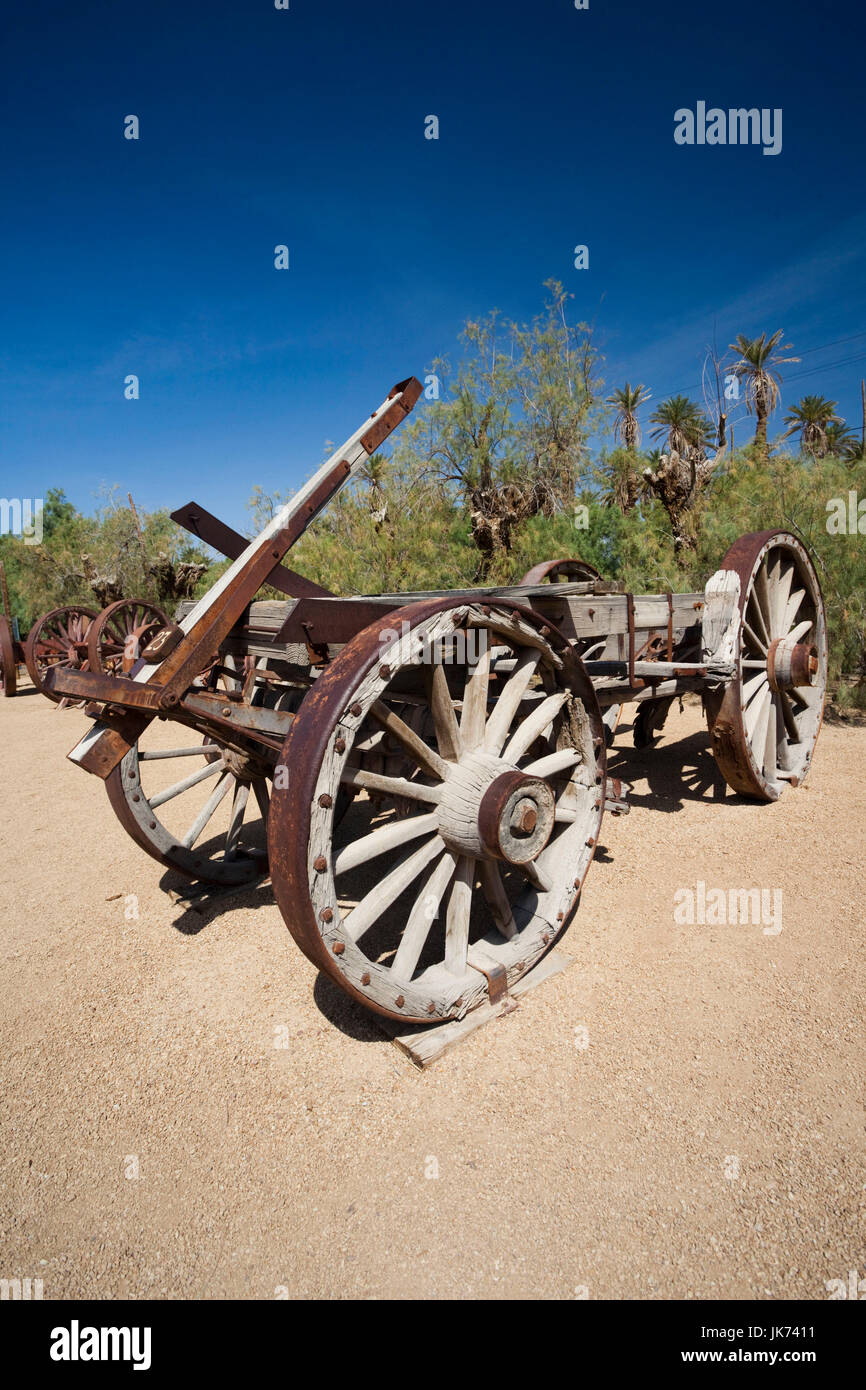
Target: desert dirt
point(678, 1115)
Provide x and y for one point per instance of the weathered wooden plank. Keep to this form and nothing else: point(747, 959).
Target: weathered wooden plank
point(426, 1044)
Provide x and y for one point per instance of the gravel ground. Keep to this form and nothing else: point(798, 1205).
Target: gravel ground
point(679, 1115)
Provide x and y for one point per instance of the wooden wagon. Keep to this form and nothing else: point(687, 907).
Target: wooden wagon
point(424, 775)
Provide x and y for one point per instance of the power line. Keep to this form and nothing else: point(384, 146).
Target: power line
point(794, 376)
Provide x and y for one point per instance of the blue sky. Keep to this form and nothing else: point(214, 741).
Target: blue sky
point(306, 127)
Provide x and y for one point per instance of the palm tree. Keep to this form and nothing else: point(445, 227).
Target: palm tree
point(840, 439)
point(810, 418)
point(757, 367)
point(682, 424)
point(628, 401)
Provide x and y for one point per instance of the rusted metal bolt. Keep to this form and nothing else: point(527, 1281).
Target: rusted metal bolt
point(365, 978)
point(152, 824)
point(338, 948)
point(590, 842)
point(340, 745)
point(431, 1008)
point(399, 1001)
point(227, 712)
point(545, 936)
point(384, 671)
point(326, 800)
point(136, 796)
point(320, 864)
point(326, 915)
point(356, 710)
point(559, 917)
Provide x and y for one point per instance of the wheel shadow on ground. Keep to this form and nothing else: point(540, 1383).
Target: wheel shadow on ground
point(344, 1013)
point(675, 773)
point(200, 904)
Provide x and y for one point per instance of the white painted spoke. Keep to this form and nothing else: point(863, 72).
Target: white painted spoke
point(763, 603)
point(379, 841)
point(758, 621)
point(222, 789)
point(428, 760)
point(792, 609)
point(537, 876)
point(509, 701)
point(145, 757)
point(533, 726)
point(553, 762)
point(263, 797)
point(239, 806)
point(424, 913)
point(473, 716)
point(757, 642)
point(170, 793)
point(755, 718)
point(388, 890)
point(780, 600)
point(497, 898)
point(799, 632)
point(784, 705)
point(770, 758)
point(392, 786)
point(444, 719)
point(457, 917)
point(751, 687)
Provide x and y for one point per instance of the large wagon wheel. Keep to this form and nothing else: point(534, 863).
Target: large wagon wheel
point(118, 636)
point(764, 724)
point(58, 638)
point(560, 572)
point(8, 665)
point(446, 883)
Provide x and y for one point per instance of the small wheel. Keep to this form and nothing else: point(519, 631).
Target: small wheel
point(58, 638)
point(8, 665)
point(118, 636)
point(764, 723)
point(170, 790)
point(454, 877)
point(560, 572)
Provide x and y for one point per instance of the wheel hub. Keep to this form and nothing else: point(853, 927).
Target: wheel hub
point(489, 809)
point(790, 664)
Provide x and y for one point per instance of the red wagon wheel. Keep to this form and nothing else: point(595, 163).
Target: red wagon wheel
point(560, 572)
point(120, 633)
point(764, 723)
point(440, 885)
point(8, 665)
point(58, 638)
